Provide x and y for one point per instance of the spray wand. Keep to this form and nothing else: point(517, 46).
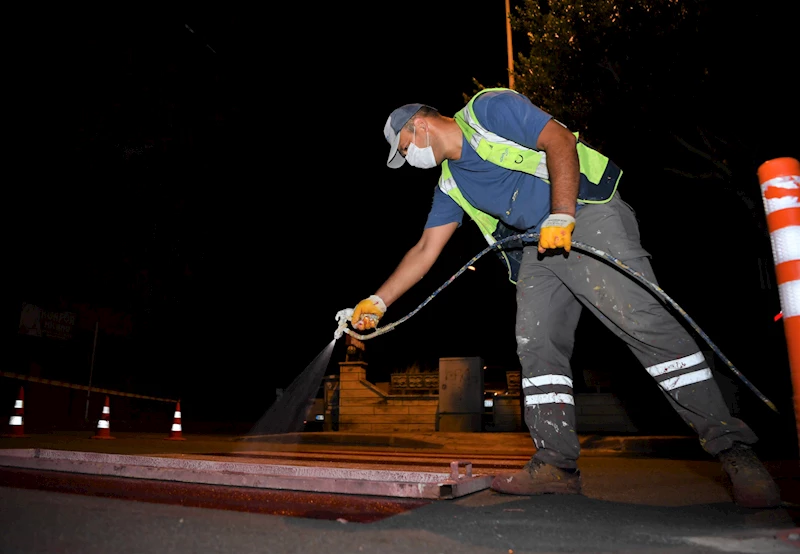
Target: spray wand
point(344, 316)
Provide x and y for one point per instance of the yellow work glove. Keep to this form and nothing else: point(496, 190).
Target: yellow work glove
point(368, 312)
point(556, 232)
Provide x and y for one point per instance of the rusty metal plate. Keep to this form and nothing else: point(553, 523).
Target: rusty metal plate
point(391, 483)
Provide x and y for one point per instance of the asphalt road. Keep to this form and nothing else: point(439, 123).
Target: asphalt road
point(632, 503)
point(41, 522)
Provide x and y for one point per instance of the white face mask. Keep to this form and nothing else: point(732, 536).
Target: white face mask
point(422, 158)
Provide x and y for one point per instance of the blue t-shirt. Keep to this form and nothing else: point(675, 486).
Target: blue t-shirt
point(518, 199)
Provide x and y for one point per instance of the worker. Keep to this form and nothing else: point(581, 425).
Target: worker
point(513, 169)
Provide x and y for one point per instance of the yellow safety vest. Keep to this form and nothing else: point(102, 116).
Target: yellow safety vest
point(599, 177)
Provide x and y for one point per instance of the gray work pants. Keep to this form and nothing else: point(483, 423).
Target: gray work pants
point(552, 290)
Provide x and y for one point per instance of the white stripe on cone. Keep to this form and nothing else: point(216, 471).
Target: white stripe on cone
point(784, 201)
point(785, 240)
point(102, 424)
point(15, 420)
point(176, 426)
point(18, 405)
point(789, 293)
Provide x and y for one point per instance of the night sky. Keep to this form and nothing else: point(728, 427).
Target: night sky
point(219, 174)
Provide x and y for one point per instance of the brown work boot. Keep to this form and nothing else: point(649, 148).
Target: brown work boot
point(539, 478)
point(753, 486)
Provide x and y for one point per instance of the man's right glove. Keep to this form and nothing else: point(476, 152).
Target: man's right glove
point(368, 312)
point(556, 232)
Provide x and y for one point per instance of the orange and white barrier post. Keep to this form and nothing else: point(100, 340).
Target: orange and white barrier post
point(104, 423)
point(16, 423)
point(780, 191)
point(176, 432)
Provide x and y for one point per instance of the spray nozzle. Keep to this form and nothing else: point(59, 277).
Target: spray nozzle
point(342, 316)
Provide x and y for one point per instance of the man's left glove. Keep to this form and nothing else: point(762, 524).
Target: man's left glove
point(368, 312)
point(556, 232)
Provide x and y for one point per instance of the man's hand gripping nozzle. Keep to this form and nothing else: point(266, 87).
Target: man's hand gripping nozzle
point(344, 317)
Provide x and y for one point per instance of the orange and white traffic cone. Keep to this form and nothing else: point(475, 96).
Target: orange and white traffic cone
point(176, 433)
point(16, 424)
point(104, 423)
point(780, 192)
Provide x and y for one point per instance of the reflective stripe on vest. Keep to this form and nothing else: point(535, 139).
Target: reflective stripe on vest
point(498, 150)
point(491, 228)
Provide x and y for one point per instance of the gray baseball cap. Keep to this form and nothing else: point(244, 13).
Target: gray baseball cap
point(392, 129)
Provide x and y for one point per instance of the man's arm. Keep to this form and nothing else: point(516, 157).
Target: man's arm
point(564, 169)
point(411, 269)
point(562, 165)
point(416, 262)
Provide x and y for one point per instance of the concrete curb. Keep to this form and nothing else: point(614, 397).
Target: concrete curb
point(465, 444)
point(520, 443)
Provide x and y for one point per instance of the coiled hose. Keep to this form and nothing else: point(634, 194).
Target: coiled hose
point(343, 316)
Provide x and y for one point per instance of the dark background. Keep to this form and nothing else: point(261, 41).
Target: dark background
point(219, 176)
